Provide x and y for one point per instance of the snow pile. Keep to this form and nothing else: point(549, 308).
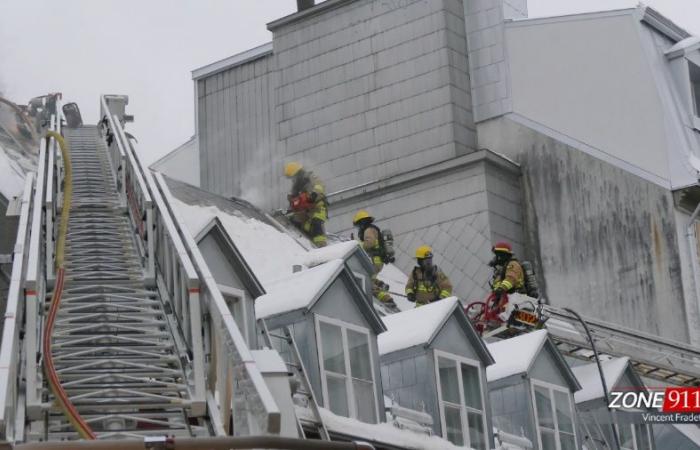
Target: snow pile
point(11, 176)
point(337, 251)
point(589, 378)
point(381, 432)
point(414, 327)
point(297, 291)
point(270, 253)
point(514, 355)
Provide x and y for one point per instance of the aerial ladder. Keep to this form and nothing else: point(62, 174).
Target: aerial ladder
point(114, 327)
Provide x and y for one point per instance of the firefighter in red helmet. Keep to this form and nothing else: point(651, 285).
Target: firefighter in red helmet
point(508, 274)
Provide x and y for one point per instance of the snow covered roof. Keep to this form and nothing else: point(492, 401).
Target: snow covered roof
point(419, 326)
point(516, 355)
point(688, 44)
point(270, 253)
point(414, 327)
point(589, 378)
point(336, 251)
point(300, 290)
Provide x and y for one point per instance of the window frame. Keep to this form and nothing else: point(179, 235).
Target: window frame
point(635, 444)
point(463, 409)
point(238, 296)
point(551, 387)
point(694, 106)
point(349, 388)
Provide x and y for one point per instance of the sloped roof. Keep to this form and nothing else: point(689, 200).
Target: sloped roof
point(241, 268)
point(516, 355)
point(324, 254)
point(298, 291)
point(419, 326)
point(589, 378)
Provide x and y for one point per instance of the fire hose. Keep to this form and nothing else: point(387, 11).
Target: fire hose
point(71, 413)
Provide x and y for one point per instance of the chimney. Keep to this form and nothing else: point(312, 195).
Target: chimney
point(305, 4)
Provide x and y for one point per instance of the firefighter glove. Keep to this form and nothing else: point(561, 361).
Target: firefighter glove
point(411, 297)
point(313, 197)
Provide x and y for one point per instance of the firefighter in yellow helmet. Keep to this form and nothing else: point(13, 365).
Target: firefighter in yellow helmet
point(308, 203)
point(427, 283)
point(370, 237)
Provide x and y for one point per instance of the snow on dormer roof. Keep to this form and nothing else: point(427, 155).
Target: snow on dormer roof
point(514, 355)
point(589, 378)
point(298, 291)
point(324, 254)
point(414, 327)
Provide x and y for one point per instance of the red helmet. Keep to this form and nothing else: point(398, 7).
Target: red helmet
point(502, 247)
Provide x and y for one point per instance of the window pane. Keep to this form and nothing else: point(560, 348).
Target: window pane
point(472, 390)
point(364, 401)
point(332, 343)
point(476, 431)
point(544, 407)
point(626, 439)
point(561, 401)
point(642, 437)
point(453, 424)
point(449, 380)
point(358, 345)
point(567, 441)
point(337, 395)
point(548, 440)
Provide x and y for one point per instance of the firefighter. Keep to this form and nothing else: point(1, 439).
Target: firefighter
point(427, 283)
point(508, 275)
point(370, 237)
point(308, 202)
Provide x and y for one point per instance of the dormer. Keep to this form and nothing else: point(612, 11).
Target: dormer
point(237, 282)
point(593, 414)
point(335, 330)
point(531, 390)
point(354, 258)
point(432, 359)
point(684, 58)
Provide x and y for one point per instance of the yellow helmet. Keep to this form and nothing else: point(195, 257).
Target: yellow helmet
point(361, 214)
point(424, 251)
point(291, 168)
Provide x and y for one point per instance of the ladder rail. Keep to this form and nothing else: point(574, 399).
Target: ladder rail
point(666, 360)
point(300, 372)
point(10, 363)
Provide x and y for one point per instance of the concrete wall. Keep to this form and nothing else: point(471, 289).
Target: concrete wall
point(604, 240)
point(458, 209)
point(590, 80)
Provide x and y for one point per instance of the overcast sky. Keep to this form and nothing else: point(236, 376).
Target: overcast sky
point(147, 50)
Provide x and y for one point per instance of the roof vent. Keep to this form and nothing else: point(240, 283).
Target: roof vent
point(305, 4)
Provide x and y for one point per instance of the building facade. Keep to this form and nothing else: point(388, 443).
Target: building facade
point(590, 122)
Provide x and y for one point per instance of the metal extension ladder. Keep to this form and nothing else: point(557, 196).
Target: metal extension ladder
point(113, 347)
point(300, 372)
point(653, 357)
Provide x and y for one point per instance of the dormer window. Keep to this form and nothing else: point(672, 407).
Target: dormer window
point(347, 372)
point(694, 71)
point(554, 416)
point(461, 402)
